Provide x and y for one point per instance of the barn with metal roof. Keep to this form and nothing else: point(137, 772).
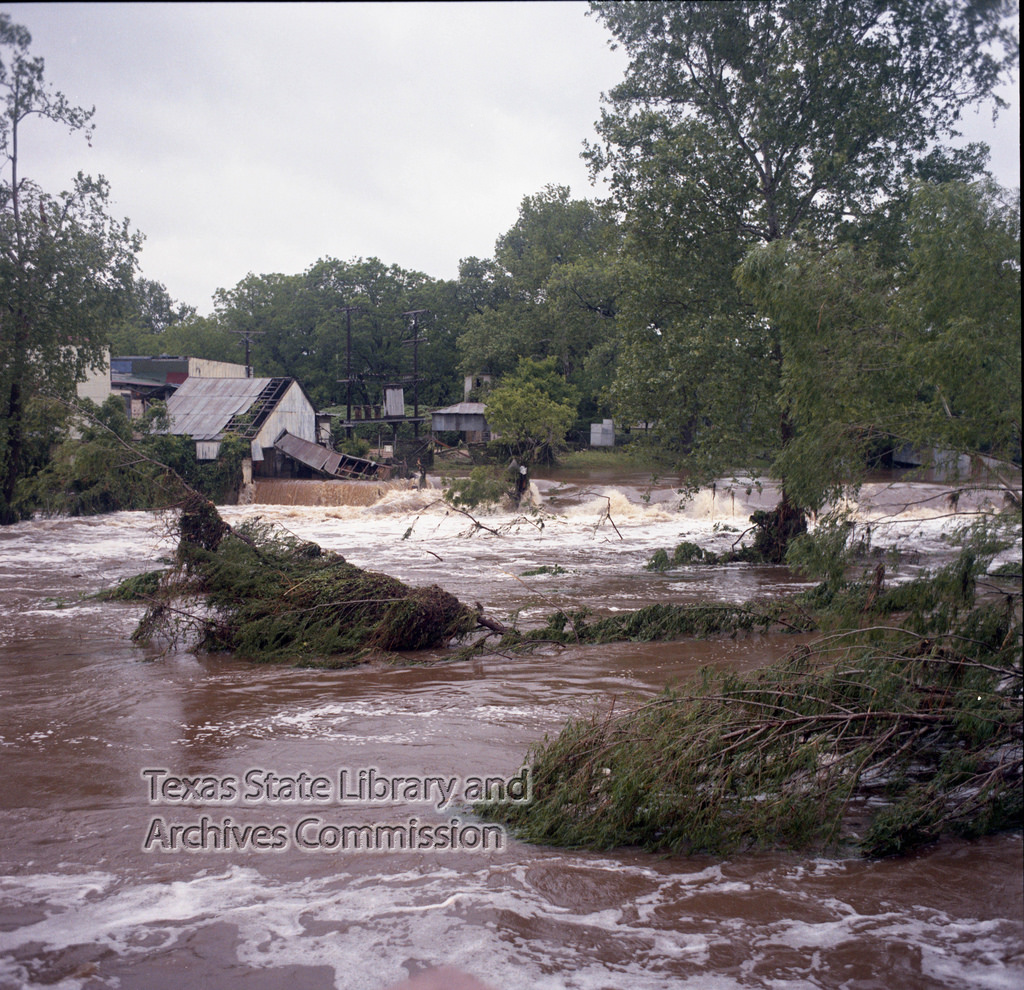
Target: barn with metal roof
point(256, 409)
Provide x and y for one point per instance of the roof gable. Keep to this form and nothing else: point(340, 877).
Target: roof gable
point(203, 407)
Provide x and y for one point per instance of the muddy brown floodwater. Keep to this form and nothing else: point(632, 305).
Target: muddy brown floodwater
point(178, 820)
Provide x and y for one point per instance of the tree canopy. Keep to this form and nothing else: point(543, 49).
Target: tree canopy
point(803, 112)
point(925, 351)
point(64, 262)
point(300, 327)
point(550, 291)
point(742, 124)
point(532, 408)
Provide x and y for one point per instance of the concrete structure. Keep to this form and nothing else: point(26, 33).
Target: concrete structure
point(471, 382)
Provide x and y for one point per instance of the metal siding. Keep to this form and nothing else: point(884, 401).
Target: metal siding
point(442, 422)
point(602, 434)
point(463, 408)
point(462, 417)
point(394, 402)
point(311, 454)
point(321, 459)
point(202, 407)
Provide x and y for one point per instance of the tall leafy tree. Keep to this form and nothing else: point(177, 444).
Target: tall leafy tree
point(277, 317)
point(64, 262)
point(382, 293)
point(802, 112)
point(923, 350)
point(745, 123)
point(149, 308)
point(550, 291)
point(532, 409)
point(152, 322)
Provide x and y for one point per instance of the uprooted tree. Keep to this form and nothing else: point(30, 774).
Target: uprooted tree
point(268, 596)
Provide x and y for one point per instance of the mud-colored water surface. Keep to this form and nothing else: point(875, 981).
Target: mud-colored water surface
point(160, 826)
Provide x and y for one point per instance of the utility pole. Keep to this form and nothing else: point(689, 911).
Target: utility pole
point(415, 340)
point(348, 311)
point(247, 336)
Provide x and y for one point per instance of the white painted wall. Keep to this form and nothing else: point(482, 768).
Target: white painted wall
point(201, 368)
point(294, 413)
point(97, 383)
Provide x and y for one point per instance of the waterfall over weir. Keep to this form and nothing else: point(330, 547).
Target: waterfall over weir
point(317, 491)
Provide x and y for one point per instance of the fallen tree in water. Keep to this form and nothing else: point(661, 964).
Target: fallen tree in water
point(900, 725)
point(885, 734)
point(269, 596)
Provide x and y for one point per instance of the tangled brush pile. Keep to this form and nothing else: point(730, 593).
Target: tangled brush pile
point(902, 725)
point(269, 596)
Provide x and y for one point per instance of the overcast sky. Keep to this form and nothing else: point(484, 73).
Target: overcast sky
point(261, 137)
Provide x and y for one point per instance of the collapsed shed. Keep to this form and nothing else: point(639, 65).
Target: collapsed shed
point(256, 409)
point(328, 462)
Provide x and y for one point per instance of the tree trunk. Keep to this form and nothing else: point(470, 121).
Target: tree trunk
point(12, 426)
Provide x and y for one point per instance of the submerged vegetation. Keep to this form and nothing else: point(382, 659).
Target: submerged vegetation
point(901, 724)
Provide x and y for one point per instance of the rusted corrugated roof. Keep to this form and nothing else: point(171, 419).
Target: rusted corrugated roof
point(324, 460)
point(202, 407)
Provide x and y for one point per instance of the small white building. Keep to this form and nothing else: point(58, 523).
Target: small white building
point(602, 434)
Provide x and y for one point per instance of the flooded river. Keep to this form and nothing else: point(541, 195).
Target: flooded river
point(171, 820)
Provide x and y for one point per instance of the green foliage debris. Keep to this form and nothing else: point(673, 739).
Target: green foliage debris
point(269, 596)
point(882, 746)
point(902, 723)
